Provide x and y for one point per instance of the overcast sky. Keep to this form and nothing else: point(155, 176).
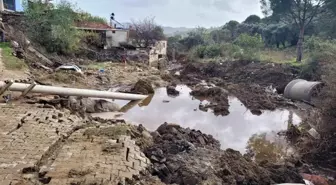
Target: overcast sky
point(175, 13)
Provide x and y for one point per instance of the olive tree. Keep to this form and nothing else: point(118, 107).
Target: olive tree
point(300, 12)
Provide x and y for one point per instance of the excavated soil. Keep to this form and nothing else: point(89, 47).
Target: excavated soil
point(257, 85)
point(189, 157)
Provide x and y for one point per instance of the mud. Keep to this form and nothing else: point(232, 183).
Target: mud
point(254, 83)
point(217, 97)
point(264, 74)
point(185, 156)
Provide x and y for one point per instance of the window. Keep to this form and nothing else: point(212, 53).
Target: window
point(9, 4)
point(160, 56)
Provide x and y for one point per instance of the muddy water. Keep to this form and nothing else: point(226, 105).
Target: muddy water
point(239, 130)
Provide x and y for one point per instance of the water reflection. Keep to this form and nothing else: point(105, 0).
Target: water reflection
point(233, 131)
point(267, 146)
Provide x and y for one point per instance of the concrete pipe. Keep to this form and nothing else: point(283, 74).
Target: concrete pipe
point(70, 91)
point(301, 90)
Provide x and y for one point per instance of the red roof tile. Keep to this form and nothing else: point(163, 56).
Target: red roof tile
point(93, 25)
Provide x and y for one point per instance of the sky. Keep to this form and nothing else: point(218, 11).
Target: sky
point(174, 13)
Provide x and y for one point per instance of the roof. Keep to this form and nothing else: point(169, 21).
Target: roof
point(93, 25)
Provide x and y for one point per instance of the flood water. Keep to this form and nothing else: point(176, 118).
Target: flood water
point(238, 130)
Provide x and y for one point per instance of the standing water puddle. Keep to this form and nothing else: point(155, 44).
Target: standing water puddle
point(239, 130)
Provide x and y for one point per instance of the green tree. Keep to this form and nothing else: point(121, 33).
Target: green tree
point(232, 27)
point(252, 19)
point(52, 27)
point(301, 12)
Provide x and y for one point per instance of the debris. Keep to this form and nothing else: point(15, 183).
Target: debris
point(171, 90)
point(314, 133)
point(143, 87)
point(69, 67)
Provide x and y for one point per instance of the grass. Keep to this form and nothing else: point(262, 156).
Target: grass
point(283, 56)
point(11, 62)
point(98, 65)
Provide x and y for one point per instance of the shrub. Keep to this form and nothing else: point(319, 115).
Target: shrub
point(318, 45)
point(322, 53)
point(231, 51)
point(84, 16)
point(251, 46)
point(53, 27)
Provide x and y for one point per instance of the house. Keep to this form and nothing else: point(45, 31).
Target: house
point(111, 37)
point(158, 51)
point(16, 5)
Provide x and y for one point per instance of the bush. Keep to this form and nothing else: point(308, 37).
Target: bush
point(84, 16)
point(231, 51)
point(322, 53)
point(53, 27)
point(318, 45)
point(249, 42)
point(251, 46)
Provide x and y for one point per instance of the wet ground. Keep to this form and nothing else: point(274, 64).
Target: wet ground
point(239, 130)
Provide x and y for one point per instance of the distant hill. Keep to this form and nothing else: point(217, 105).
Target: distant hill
point(170, 31)
point(167, 30)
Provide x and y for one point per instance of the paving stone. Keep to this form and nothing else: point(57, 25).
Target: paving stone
point(25, 146)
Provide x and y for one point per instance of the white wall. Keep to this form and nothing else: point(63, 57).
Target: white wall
point(160, 48)
point(114, 39)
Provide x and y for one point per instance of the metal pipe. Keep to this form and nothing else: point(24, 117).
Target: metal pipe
point(73, 92)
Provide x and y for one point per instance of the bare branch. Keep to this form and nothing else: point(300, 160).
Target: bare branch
point(317, 7)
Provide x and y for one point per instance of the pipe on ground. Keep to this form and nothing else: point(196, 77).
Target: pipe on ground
point(72, 91)
point(300, 89)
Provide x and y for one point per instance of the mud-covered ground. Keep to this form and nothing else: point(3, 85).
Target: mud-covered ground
point(257, 85)
point(188, 157)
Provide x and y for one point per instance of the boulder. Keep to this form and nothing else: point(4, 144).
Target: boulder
point(143, 87)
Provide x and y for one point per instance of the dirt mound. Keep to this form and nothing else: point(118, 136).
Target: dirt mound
point(218, 98)
point(252, 83)
point(185, 156)
point(264, 74)
point(256, 98)
point(143, 87)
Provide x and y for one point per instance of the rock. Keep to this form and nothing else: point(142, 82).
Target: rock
point(143, 87)
point(146, 134)
point(106, 106)
point(256, 112)
point(171, 90)
point(90, 105)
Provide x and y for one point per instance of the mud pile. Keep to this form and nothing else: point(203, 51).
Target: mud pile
point(264, 74)
point(218, 98)
point(253, 83)
point(185, 156)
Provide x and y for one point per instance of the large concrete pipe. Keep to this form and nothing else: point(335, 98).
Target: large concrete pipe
point(301, 90)
point(25, 88)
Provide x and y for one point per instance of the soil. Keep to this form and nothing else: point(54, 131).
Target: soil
point(185, 156)
point(264, 74)
point(252, 83)
point(218, 98)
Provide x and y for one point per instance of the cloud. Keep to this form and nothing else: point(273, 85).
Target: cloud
point(176, 13)
point(143, 3)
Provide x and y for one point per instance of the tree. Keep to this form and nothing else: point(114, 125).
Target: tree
point(193, 39)
point(52, 27)
point(146, 32)
point(232, 27)
point(252, 19)
point(300, 12)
